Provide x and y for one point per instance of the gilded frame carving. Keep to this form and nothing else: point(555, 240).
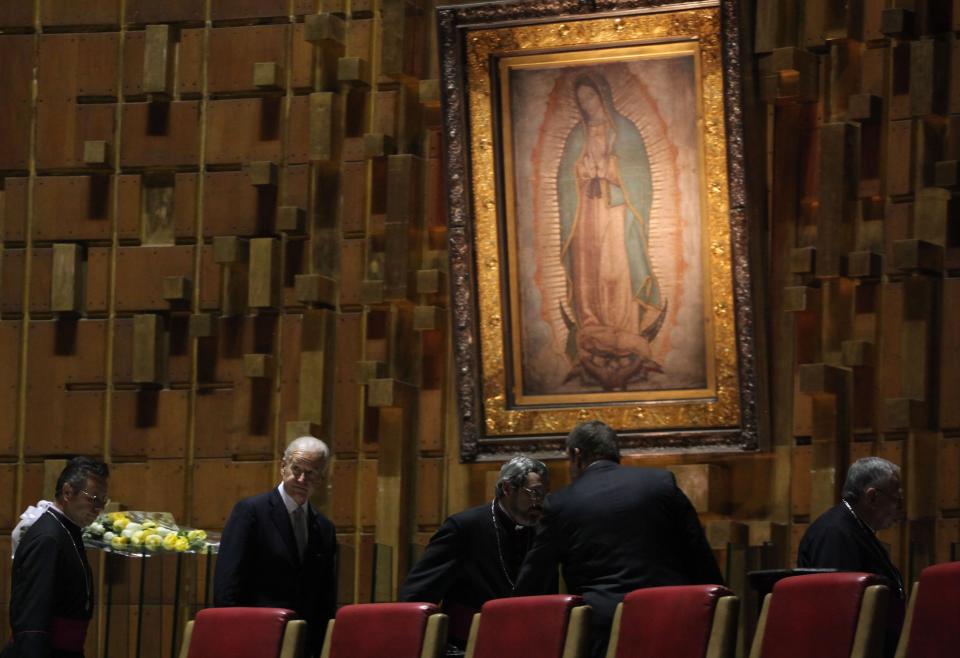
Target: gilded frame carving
point(488, 53)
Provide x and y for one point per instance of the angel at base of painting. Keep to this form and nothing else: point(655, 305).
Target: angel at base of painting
point(614, 308)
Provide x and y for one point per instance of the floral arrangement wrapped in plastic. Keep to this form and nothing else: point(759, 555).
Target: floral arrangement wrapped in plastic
point(138, 533)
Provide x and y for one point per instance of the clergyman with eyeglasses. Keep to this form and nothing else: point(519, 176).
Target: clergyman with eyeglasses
point(51, 601)
point(277, 551)
point(476, 554)
point(844, 537)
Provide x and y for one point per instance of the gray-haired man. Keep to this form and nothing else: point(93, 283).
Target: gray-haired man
point(844, 536)
point(476, 554)
point(277, 551)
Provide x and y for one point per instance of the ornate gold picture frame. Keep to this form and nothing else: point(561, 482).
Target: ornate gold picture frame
point(596, 211)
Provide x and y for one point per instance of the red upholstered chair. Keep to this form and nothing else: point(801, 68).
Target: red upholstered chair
point(553, 626)
point(244, 633)
point(687, 621)
point(831, 615)
point(374, 630)
point(932, 626)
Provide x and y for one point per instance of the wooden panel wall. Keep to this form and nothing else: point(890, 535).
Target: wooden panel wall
point(222, 226)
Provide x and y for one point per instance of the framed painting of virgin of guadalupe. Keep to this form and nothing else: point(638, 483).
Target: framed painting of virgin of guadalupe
point(597, 236)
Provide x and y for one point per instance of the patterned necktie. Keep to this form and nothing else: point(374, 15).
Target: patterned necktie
point(299, 519)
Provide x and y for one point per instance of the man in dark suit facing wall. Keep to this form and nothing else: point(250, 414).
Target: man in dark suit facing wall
point(615, 529)
point(277, 551)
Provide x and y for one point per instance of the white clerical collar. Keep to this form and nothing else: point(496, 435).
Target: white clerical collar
point(857, 517)
point(289, 502)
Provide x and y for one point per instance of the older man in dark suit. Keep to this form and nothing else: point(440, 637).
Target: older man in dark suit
point(277, 551)
point(615, 529)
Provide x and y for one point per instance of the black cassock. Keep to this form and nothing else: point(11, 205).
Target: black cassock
point(51, 601)
point(840, 540)
point(464, 566)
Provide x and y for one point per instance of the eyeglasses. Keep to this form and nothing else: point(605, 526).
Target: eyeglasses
point(536, 494)
point(308, 475)
point(98, 501)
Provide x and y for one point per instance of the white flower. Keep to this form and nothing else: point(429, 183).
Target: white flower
point(107, 536)
point(96, 529)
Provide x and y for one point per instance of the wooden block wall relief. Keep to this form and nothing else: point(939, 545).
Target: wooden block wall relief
point(267, 76)
point(13, 274)
point(247, 58)
point(258, 366)
point(66, 290)
point(233, 254)
point(291, 219)
point(67, 208)
point(157, 225)
point(929, 64)
point(323, 122)
point(316, 289)
point(949, 357)
point(378, 145)
point(794, 77)
point(309, 387)
point(149, 349)
point(428, 318)
point(141, 12)
point(158, 61)
point(234, 205)
point(326, 32)
point(839, 166)
point(203, 325)
point(864, 265)
point(160, 134)
point(262, 174)
point(401, 229)
point(353, 72)
point(9, 386)
point(15, 100)
point(177, 289)
point(706, 485)
point(97, 153)
point(142, 272)
point(264, 285)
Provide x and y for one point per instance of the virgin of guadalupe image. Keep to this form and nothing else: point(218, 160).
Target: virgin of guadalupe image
point(608, 293)
point(614, 307)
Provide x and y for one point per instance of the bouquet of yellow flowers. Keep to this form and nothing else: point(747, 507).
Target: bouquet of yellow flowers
point(138, 533)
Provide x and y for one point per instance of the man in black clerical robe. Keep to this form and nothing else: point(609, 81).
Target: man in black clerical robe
point(613, 530)
point(844, 536)
point(51, 601)
point(476, 554)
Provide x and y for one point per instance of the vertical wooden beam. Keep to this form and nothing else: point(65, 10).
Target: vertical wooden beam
point(158, 56)
point(66, 285)
point(264, 287)
point(839, 166)
point(149, 349)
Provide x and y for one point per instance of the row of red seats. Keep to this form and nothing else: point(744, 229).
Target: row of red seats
point(824, 615)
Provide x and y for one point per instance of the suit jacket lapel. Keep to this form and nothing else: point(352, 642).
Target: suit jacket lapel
point(281, 519)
